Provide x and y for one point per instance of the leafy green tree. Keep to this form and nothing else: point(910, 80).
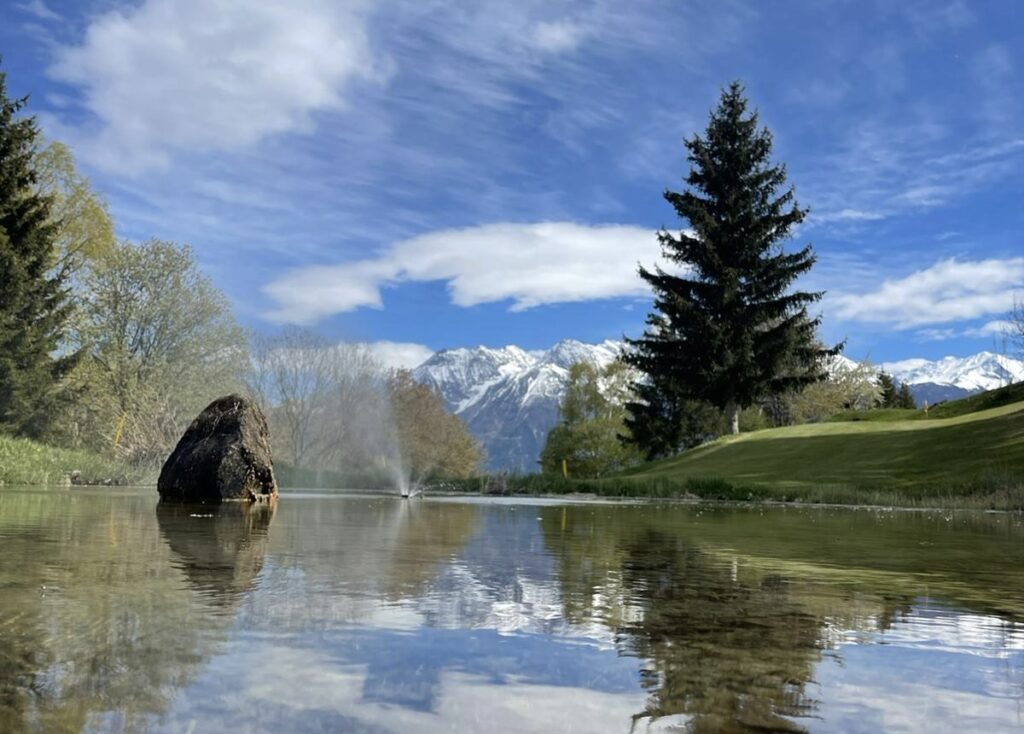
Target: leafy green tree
point(84, 229)
point(433, 442)
point(162, 343)
point(593, 413)
point(847, 388)
point(727, 329)
point(34, 304)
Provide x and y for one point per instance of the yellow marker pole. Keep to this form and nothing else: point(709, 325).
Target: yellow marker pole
point(119, 430)
point(565, 469)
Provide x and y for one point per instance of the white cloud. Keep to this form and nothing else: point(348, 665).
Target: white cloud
point(999, 327)
point(400, 355)
point(949, 291)
point(204, 75)
point(529, 264)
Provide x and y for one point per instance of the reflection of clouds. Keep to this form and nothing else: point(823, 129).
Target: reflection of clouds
point(310, 690)
point(957, 632)
point(932, 628)
point(935, 669)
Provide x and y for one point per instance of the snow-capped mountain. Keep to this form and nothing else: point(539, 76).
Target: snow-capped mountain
point(509, 397)
point(981, 371)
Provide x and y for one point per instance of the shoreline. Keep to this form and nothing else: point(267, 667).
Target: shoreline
point(1001, 497)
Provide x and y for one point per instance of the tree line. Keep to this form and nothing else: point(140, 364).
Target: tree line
point(115, 346)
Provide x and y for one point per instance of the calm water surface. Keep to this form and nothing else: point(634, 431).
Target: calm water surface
point(345, 613)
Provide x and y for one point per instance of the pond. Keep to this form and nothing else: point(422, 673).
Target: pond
point(359, 613)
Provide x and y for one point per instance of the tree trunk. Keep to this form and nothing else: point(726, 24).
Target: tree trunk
point(732, 417)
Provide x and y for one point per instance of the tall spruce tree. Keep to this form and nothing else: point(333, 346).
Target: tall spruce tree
point(33, 302)
point(904, 399)
point(726, 327)
point(888, 388)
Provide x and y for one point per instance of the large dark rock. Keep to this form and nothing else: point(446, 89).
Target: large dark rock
point(224, 455)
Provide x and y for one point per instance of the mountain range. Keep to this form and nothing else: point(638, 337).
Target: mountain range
point(509, 397)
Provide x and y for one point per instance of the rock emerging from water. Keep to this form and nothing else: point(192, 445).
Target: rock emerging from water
point(224, 455)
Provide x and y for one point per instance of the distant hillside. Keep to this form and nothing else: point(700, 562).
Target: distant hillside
point(509, 397)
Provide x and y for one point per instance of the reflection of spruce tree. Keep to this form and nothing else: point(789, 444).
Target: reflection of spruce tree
point(731, 653)
point(734, 656)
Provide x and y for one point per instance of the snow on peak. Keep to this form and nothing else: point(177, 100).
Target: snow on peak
point(569, 351)
point(509, 397)
point(981, 371)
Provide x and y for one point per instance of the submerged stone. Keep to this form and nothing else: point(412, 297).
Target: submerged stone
point(224, 455)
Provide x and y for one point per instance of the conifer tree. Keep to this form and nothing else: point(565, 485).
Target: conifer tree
point(888, 387)
point(33, 302)
point(904, 399)
point(726, 328)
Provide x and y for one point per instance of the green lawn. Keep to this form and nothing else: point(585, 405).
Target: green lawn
point(983, 448)
point(27, 462)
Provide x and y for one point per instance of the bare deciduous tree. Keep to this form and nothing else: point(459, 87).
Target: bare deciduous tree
point(1015, 327)
point(335, 406)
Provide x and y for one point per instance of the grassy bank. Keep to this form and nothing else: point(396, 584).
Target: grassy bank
point(994, 494)
point(967, 453)
point(981, 449)
point(27, 462)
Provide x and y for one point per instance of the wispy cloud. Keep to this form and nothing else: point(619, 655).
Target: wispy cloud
point(39, 9)
point(949, 291)
point(529, 264)
point(996, 328)
point(201, 75)
point(887, 170)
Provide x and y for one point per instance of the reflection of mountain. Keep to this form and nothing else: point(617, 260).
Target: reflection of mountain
point(219, 547)
point(356, 560)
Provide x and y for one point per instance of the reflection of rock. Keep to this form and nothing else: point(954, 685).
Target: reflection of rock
point(224, 455)
point(220, 547)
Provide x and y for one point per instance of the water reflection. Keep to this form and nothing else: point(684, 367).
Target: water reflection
point(220, 548)
point(368, 614)
point(95, 630)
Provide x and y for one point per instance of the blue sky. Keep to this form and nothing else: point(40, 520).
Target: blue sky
point(455, 172)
